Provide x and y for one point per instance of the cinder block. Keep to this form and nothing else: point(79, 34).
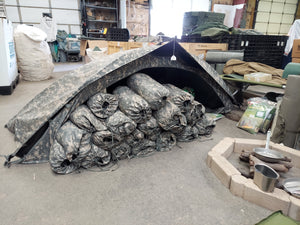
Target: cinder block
point(237, 185)
point(277, 200)
point(209, 157)
point(294, 211)
point(290, 152)
point(224, 147)
point(247, 144)
point(223, 169)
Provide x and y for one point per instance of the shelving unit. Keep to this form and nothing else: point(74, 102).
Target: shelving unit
point(98, 16)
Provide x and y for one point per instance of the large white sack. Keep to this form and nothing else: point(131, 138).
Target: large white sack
point(33, 53)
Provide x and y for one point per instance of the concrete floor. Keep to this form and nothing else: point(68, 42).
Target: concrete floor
point(173, 187)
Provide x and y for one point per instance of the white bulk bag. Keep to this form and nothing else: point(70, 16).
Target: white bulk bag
point(33, 53)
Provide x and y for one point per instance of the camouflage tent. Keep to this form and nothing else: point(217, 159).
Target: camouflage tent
point(38, 122)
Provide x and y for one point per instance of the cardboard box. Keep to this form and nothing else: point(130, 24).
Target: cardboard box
point(84, 44)
point(296, 60)
point(296, 49)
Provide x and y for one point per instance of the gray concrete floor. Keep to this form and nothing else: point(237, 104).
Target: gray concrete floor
point(173, 187)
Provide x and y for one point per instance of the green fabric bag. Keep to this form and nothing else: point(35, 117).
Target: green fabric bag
point(277, 218)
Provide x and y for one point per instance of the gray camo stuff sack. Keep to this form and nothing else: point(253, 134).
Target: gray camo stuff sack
point(133, 105)
point(152, 91)
point(103, 105)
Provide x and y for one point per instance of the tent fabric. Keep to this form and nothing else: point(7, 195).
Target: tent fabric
point(36, 125)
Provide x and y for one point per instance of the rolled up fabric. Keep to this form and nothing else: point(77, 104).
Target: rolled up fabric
point(121, 151)
point(103, 105)
point(71, 146)
point(205, 126)
point(189, 133)
point(170, 118)
point(145, 147)
point(106, 139)
point(120, 124)
point(152, 91)
point(149, 127)
point(182, 99)
point(96, 157)
point(165, 141)
point(195, 114)
point(86, 120)
point(135, 138)
point(133, 105)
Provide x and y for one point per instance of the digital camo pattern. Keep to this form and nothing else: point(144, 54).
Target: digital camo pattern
point(96, 157)
point(106, 139)
point(135, 138)
point(152, 91)
point(170, 118)
point(69, 137)
point(196, 113)
point(182, 99)
point(149, 127)
point(133, 105)
point(120, 124)
point(86, 120)
point(189, 133)
point(36, 125)
point(103, 105)
point(205, 126)
point(144, 148)
point(67, 154)
point(165, 141)
point(121, 151)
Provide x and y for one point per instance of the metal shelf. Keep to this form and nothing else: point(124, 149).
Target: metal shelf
point(100, 7)
point(104, 21)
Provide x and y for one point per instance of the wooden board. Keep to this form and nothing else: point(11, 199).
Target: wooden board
point(250, 13)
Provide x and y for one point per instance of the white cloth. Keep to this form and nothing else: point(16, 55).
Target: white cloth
point(48, 25)
point(293, 34)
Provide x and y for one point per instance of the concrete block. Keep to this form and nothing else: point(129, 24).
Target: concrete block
point(237, 185)
point(290, 152)
point(294, 211)
point(277, 200)
point(223, 169)
point(224, 147)
point(209, 157)
point(247, 144)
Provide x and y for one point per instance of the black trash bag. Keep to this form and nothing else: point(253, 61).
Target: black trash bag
point(195, 114)
point(121, 151)
point(70, 147)
point(120, 124)
point(189, 133)
point(133, 105)
point(96, 157)
point(150, 127)
point(152, 91)
point(205, 126)
point(86, 120)
point(170, 118)
point(106, 139)
point(103, 105)
point(182, 99)
point(165, 141)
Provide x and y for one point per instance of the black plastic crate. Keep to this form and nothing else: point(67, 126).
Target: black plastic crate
point(267, 49)
point(117, 34)
point(196, 38)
